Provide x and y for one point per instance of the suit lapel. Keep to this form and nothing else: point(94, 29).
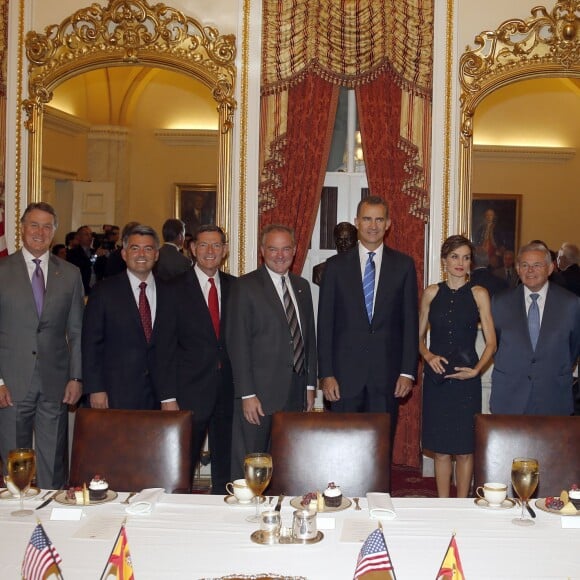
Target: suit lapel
point(23, 279)
point(127, 297)
point(200, 304)
point(354, 278)
point(549, 317)
point(271, 294)
point(520, 305)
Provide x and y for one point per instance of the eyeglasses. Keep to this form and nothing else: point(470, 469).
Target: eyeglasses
point(215, 246)
point(534, 266)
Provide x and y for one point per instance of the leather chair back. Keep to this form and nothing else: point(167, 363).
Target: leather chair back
point(309, 450)
point(553, 441)
point(133, 450)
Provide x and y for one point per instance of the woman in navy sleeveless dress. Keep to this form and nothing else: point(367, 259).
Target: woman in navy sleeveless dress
point(452, 382)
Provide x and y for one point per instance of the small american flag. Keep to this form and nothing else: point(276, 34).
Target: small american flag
point(40, 555)
point(374, 557)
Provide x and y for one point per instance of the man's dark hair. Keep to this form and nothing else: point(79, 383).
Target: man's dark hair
point(140, 230)
point(172, 229)
point(208, 228)
point(42, 206)
point(373, 200)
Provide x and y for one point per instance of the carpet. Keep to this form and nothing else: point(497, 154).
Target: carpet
point(409, 482)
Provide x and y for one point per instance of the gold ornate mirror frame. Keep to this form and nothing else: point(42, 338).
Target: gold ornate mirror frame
point(131, 32)
point(545, 45)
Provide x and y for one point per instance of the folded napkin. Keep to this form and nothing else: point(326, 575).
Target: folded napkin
point(381, 506)
point(144, 502)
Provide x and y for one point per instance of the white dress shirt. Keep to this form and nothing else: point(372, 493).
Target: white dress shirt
point(149, 292)
point(543, 292)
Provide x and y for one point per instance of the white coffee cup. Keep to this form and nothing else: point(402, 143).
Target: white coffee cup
point(240, 490)
point(493, 493)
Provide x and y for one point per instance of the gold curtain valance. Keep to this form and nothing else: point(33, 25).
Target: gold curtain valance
point(348, 42)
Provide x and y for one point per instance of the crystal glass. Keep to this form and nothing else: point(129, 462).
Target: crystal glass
point(258, 472)
point(21, 470)
point(525, 475)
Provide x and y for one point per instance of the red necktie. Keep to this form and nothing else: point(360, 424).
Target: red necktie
point(214, 306)
point(145, 312)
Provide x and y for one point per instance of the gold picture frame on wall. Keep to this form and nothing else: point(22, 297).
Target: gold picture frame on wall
point(496, 222)
point(196, 204)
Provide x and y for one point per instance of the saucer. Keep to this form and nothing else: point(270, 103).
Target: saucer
point(32, 492)
point(61, 497)
point(506, 504)
point(233, 500)
point(344, 504)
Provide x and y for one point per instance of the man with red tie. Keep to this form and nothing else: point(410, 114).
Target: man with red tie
point(196, 366)
point(120, 333)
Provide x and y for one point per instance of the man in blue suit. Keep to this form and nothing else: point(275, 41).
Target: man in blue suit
point(538, 333)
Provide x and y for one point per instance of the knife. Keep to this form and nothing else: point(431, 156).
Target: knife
point(279, 502)
point(47, 501)
point(530, 510)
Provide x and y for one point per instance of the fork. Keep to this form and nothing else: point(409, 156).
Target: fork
point(128, 498)
point(356, 506)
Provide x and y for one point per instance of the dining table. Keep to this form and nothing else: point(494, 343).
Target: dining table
point(204, 536)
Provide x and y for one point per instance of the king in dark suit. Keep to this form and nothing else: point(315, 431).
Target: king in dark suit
point(273, 359)
point(118, 349)
point(40, 346)
point(537, 345)
point(368, 321)
point(193, 351)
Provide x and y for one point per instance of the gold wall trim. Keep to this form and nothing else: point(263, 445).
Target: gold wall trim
point(128, 32)
point(242, 191)
point(547, 44)
point(445, 206)
point(18, 147)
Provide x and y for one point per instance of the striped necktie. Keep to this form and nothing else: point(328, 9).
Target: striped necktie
point(369, 284)
point(294, 328)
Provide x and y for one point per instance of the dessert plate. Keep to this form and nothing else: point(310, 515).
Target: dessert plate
point(61, 497)
point(346, 503)
point(506, 504)
point(541, 503)
point(233, 500)
point(32, 492)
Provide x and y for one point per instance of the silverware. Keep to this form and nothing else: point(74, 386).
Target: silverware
point(279, 502)
point(128, 498)
point(45, 495)
point(47, 501)
point(530, 510)
point(270, 499)
point(356, 506)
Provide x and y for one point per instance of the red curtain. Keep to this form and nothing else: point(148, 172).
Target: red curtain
point(297, 182)
point(389, 164)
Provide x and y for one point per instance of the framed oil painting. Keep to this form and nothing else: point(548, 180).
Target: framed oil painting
point(495, 224)
point(195, 204)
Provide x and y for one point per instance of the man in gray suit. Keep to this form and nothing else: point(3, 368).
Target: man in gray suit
point(538, 333)
point(272, 345)
point(41, 311)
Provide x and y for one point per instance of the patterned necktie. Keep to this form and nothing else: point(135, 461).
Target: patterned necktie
point(145, 312)
point(214, 306)
point(294, 328)
point(534, 320)
point(369, 285)
point(38, 288)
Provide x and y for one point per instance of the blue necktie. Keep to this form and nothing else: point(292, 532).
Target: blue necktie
point(369, 285)
point(534, 320)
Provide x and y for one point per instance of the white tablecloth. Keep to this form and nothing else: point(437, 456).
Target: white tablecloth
point(197, 536)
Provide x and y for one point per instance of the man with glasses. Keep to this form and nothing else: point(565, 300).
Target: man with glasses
point(193, 355)
point(41, 311)
point(538, 332)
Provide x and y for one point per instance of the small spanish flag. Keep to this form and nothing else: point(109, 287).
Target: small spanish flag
point(451, 568)
point(120, 559)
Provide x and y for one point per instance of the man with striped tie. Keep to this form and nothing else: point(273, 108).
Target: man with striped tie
point(367, 320)
point(272, 345)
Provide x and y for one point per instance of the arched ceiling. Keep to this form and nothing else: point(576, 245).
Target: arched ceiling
point(121, 96)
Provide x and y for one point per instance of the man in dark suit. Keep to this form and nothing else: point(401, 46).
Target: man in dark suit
point(272, 344)
point(368, 321)
point(171, 261)
point(41, 310)
point(119, 335)
point(84, 257)
point(481, 275)
point(569, 265)
point(507, 271)
point(197, 369)
point(538, 332)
